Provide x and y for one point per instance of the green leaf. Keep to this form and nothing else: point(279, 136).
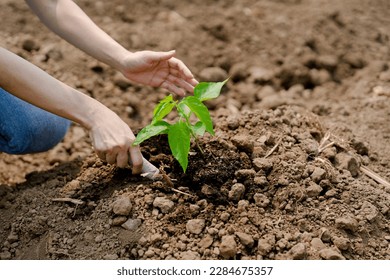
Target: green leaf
point(163, 108)
point(153, 129)
point(208, 90)
point(199, 128)
point(183, 110)
point(201, 111)
point(179, 140)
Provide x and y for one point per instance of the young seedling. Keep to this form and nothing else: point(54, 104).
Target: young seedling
point(183, 130)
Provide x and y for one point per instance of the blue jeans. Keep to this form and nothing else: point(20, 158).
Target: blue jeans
point(26, 129)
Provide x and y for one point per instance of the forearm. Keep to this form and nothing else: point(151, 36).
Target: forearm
point(66, 19)
point(35, 86)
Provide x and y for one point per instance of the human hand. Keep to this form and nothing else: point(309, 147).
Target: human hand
point(112, 140)
point(159, 69)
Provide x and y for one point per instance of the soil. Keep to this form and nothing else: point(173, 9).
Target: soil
point(303, 117)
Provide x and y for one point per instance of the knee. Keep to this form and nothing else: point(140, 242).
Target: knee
point(33, 137)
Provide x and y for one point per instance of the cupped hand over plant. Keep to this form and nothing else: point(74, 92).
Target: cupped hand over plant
point(159, 69)
point(112, 140)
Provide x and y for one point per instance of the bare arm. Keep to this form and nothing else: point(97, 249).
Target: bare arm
point(110, 135)
point(157, 69)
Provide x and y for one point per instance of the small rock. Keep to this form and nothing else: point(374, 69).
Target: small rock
point(298, 251)
point(325, 235)
point(347, 162)
point(122, 206)
point(260, 181)
point(313, 190)
point(318, 174)
point(111, 257)
point(245, 239)
point(117, 221)
point(195, 226)
point(262, 164)
point(228, 247)
point(261, 200)
point(369, 211)
point(317, 244)
point(132, 224)
point(237, 191)
point(266, 244)
point(341, 242)
point(164, 204)
point(330, 254)
point(189, 255)
point(244, 143)
point(206, 241)
point(213, 74)
point(347, 223)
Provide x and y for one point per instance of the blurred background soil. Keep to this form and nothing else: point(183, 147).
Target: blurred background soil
point(306, 111)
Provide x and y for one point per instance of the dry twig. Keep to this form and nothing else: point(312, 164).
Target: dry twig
point(274, 147)
point(68, 199)
point(374, 176)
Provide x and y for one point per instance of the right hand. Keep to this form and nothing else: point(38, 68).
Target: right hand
point(112, 140)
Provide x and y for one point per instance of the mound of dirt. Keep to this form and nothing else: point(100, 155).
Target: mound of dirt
point(300, 128)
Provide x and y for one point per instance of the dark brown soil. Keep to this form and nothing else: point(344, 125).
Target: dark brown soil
point(305, 112)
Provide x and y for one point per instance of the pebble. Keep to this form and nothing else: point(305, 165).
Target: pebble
point(347, 223)
point(117, 221)
point(298, 251)
point(206, 241)
point(228, 247)
point(244, 143)
point(164, 204)
point(266, 244)
point(369, 211)
point(237, 191)
point(347, 162)
point(330, 254)
point(325, 235)
point(195, 226)
point(245, 239)
point(190, 255)
point(313, 190)
point(318, 174)
point(317, 244)
point(122, 206)
point(132, 224)
point(341, 242)
point(262, 164)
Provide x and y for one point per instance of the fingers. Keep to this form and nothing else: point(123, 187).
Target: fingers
point(182, 71)
point(124, 157)
point(136, 159)
point(181, 83)
point(173, 88)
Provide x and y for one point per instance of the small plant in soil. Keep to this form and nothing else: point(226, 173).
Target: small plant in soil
point(193, 120)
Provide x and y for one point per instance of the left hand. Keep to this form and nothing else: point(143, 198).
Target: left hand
point(159, 69)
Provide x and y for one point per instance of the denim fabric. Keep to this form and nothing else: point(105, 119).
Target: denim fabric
point(26, 129)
